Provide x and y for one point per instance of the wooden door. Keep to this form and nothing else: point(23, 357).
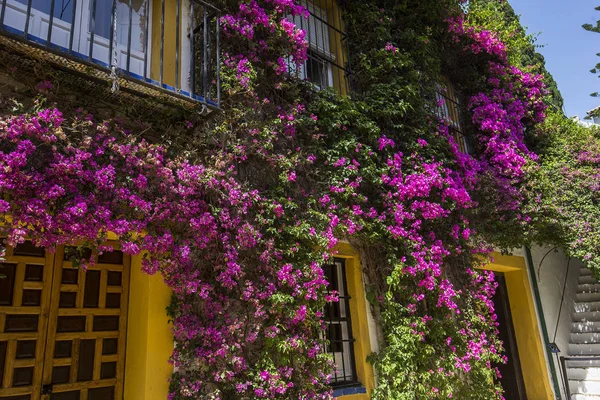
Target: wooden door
point(69, 344)
point(24, 307)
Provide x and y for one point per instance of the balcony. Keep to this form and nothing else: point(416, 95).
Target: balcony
point(162, 49)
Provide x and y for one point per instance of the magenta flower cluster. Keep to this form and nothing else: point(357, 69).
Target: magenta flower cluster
point(64, 184)
point(513, 103)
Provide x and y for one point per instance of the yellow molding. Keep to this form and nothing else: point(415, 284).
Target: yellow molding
point(170, 22)
point(355, 397)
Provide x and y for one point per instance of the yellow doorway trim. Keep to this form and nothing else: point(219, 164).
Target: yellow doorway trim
point(525, 321)
point(149, 337)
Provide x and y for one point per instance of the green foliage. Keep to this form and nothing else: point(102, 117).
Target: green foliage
point(567, 212)
point(593, 28)
point(499, 16)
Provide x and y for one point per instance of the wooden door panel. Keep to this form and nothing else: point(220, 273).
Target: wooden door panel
point(85, 348)
point(24, 307)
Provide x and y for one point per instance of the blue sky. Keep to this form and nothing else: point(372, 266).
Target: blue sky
point(570, 51)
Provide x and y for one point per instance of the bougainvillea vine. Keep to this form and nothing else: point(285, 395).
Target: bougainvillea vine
point(241, 231)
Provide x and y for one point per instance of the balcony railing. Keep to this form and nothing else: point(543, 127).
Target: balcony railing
point(166, 45)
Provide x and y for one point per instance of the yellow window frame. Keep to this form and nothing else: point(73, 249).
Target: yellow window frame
point(359, 317)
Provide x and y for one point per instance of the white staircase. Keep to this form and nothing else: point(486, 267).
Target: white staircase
point(584, 375)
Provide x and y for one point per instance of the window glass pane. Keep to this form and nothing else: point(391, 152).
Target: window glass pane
point(449, 110)
point(316, 28)
point(318, 70)
point(101, 19)
point(63, 9)
point(138, 22)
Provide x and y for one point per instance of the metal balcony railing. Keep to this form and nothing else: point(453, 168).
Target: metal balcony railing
point(169, 45)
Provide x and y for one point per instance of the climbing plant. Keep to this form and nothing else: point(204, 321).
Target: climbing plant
point(241, 226)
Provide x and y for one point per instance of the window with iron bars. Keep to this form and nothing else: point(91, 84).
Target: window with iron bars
point(449, 110)
point(339, 327)
point(328, 52)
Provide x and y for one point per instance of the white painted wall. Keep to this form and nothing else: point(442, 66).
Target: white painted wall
point(551, 273)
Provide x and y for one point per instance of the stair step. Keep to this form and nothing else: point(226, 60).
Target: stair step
point(588, 296)
point(580, 396)
point(583, 363)
point(585, 327)
point(588, 287)
point(586, 316)
point(584, 373)
point(587, 279)
point(584, 387)
point(587, 306)
point(587, 349)
point(585, 337)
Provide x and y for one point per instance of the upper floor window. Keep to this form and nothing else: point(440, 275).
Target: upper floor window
point(339, 327)
point(86, 27)
point(173, 46)
point(450, 111)
point(327, 54)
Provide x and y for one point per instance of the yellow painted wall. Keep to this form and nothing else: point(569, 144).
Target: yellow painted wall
point(150, 341)
point(527, 332)
point(358, 314)
point(149, 338)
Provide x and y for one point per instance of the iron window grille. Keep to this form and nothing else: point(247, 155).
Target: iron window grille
point(328, 46)
point(449, 111)
point(339, 327)
point(115, 36)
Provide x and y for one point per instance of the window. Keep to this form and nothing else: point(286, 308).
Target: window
point(74, 24)
point(317, 70)
point(325, 66)
point(339, 327)
point(116, 36)
point(63, 9)
point(449, 110)
point(130, 33)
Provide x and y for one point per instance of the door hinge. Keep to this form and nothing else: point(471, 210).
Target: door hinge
point(47, 389)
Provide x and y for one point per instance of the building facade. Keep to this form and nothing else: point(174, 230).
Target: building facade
point(102, 333)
